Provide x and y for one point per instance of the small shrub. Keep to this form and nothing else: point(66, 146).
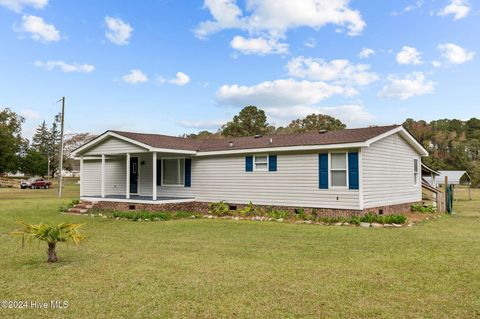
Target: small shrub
point(75, 202)
point(248, 210)
point(277, 214)
point(395, 219)
point(218, 209)
point(423, 209)
point(354, 220)
point(368, 218)
point(300, 214)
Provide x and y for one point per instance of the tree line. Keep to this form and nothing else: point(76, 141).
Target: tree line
point(40, 156)
point(452, 143)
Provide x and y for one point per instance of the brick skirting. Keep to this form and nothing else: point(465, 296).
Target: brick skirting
point(202, 208)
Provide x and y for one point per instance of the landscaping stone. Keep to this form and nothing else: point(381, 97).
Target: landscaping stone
point(280, 220)
point(397, 225)
point(346, 224)
point(388, 225)
point(308, 222)
point(338, 224)
point(376, 225)
point(366, 225)
point(410, 225)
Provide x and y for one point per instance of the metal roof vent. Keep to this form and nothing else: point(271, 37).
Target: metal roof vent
point(271, 140)
point(258, 136)
point(322, 131)
point(230, 144)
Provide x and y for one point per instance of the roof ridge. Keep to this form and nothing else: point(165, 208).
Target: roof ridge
point(250, 136)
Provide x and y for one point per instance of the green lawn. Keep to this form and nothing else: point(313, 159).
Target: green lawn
point(243, 269)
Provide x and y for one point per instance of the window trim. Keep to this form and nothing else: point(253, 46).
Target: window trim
point(416, 171)
point(330, 169)
point(255, 163)
point(163, 174)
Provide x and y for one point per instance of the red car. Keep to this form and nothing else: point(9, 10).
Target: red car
point(36, 183)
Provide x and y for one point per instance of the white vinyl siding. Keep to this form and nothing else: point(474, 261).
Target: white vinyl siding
point(388, 172)
point(113, 145)
point(91, 178)
point(415, 171)
point(115, 178)
point(295, 184)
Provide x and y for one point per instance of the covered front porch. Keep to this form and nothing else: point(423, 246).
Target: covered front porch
point(141, 177)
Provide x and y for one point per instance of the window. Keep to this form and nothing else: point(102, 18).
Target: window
point(173, 171)
point(261, 163)
point(338, 169)
point(415, 171)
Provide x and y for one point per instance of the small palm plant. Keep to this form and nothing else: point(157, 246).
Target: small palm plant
point(52, 234)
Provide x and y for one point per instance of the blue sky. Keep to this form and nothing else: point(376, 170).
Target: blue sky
point(176, 67)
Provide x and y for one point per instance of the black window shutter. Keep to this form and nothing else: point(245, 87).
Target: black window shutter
point(249, 163)
point(272, 163)
point(188, 172)
point(159, 172)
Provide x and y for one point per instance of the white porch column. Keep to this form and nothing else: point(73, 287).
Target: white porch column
point(81, 176)
point(154, 177)
point(103, 175)
point(127, 186)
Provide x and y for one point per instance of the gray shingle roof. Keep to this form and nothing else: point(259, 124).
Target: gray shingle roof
point(251, 142)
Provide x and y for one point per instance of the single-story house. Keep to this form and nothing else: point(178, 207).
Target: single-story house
point(348, 171)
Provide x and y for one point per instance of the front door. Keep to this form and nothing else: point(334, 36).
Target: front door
point(134, 175)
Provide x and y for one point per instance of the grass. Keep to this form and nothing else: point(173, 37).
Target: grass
point(223, 268)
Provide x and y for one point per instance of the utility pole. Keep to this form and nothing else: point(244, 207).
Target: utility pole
point(48, 167)
point(60, 160)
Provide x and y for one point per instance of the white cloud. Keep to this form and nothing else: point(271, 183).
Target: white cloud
point(455, 54)
point(409, 55)
point(259, 45)
point(436, 64)
point(31, 114)
point(226, 15)
point(65, 67)
point(18, 5)
point(411, 7)
point(180, 79)
point(280, 93)
point(338, 71)
point(416, 5)
point(366, 53)
point(39, 30)
point(352, 114)
point(118, 31)
point(272, 19)
point(412, 84)
point(459, 9)
point(310, 43)
point(202, 124)
point(135, 76)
